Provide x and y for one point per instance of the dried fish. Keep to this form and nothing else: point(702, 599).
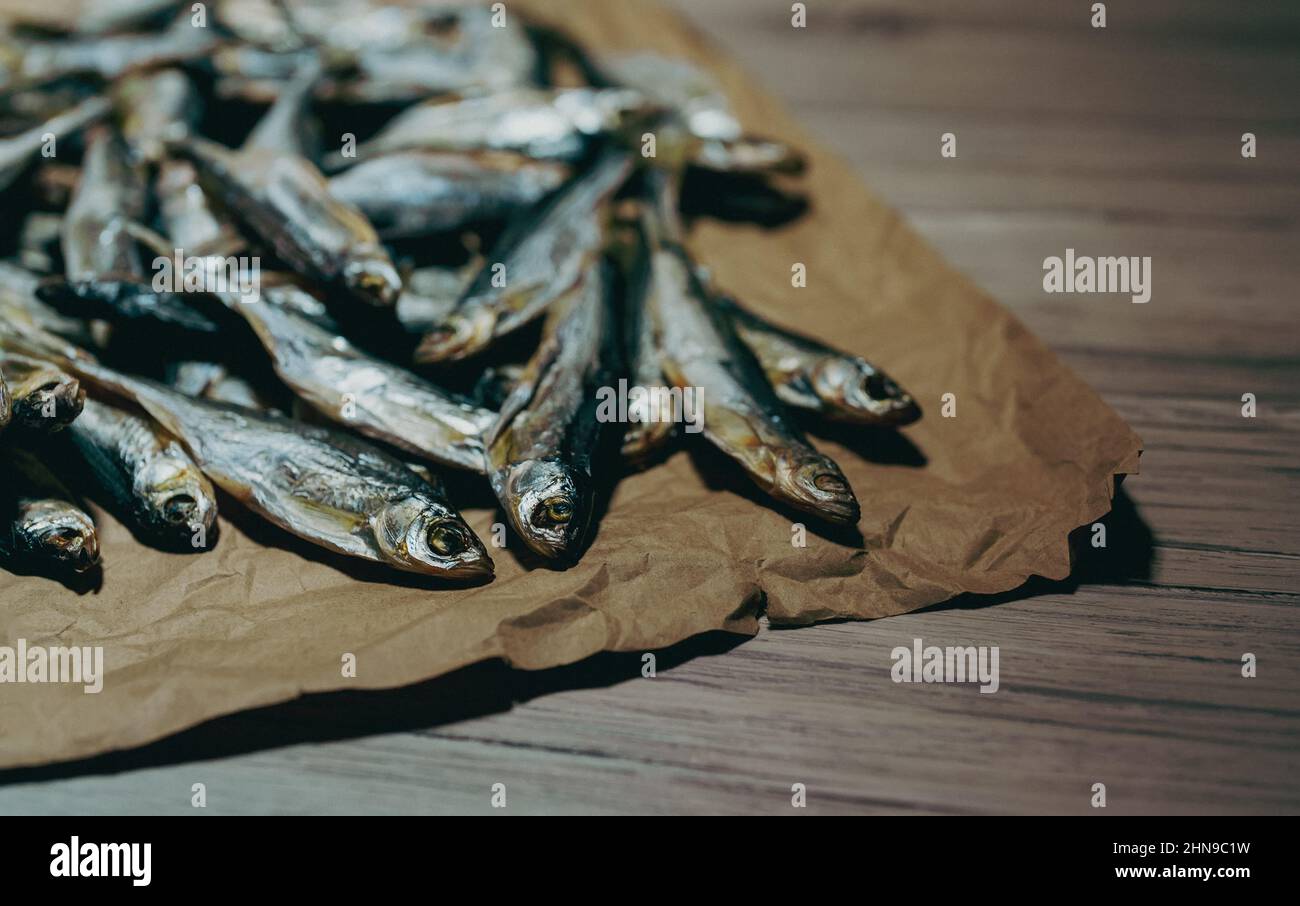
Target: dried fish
point(213, 381)
point(287, 127)
point(153, 106)
point(369, 395)
point(17, 151)
point(42, 527)
point(548, 124)
point(540, 449)
point(643, 439)
point(144, 476)
point(44, 399)
point(324, 486)
point(285, 201)
point(104, 274)
point(742, 416)
point(537, 260)
point(108, 57)
point(411, 193)
point(430, 295)
point(808, 374)
point(711, 136)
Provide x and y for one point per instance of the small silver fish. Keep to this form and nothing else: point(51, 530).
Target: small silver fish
point(808, 374)
point(537, 260)
point(411, 193)
point(110, 56)
point(104, 273)
point(711, 135)
point(430, 295)
point(17, 151)
point(212, 381)
point(643, 439)
point(287, 127)
point(546, 124)
point(42, 527)
point(540, 449)
point(285, 201)
point(369, 395)
point(326, 487)
point(742, 416)
point(153, 106)
point(44, 398)
point(146, 477)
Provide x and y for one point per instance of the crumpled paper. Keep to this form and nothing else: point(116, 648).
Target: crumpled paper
point(978, 502)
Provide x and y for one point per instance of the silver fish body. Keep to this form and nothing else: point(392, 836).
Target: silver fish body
point(109, 196)
point(17, 151)
point(540, 449)
point(285, 201)
point(548, 124)
point(742, 416)
point(104, 272)
point(537, 261)
point(42, 527)
point(146, 477)
point(44, 399)
point(811, 375)
point(643, 439)
point(212, 381)
point(411, 193)
point(324, 486)
point(110, 56)
point(369, 395)
point(153, 106)
point(430, 295)
point(710, 134)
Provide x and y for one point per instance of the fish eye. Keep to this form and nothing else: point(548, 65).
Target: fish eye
point(831, 483)
point(557, 510)
point(445, 540)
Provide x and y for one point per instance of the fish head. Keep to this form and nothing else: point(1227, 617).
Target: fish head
point(374, 279)
point(867, 391)
point(53, 531)
point(551, 507)
point(420, 535)
point(179, 502)
point(55, 401)
point(816, 485)
point(459, 336)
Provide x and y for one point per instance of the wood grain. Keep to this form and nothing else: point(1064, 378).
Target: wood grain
point(1115, 141)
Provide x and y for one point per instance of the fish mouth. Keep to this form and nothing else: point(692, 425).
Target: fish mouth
point(53, 405)
point(374, 280)
point(871, 397)
point(456, 551)
point(455, 339)
point(820, 488)
point(71, 545)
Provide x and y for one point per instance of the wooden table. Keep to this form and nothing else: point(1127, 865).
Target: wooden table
point(1117, 141)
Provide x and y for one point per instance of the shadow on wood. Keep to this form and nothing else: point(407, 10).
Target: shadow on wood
point(480, 689)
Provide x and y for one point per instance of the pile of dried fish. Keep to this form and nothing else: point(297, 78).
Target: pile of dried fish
point(395, 250)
